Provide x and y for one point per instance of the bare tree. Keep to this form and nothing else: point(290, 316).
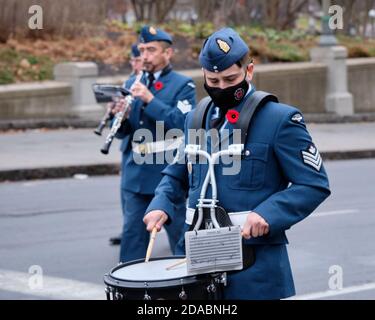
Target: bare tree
point(117, 8)
point(152, 10)
point(282, 14)
point(204, 9)
point(162, 8)
point(293, 8)
point(279, 14)
point(220, 12)
point(66, 17)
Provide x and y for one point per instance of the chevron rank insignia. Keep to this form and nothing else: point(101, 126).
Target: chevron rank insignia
point(312, 158)
point(184, 106)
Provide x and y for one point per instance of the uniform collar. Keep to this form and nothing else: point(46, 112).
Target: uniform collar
point(157, 74)
point(249, 90)
point(249, 93)
point(162, 72)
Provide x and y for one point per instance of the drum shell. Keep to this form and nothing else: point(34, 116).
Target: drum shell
point(197, 287)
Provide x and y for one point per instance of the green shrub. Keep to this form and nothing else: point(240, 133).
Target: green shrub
point(41, 67)
point(6, 76)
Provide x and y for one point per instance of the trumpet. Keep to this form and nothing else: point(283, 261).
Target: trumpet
point(119, 117)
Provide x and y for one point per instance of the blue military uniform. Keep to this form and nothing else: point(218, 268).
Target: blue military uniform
point(282, 179)
point(134, 53)
point(174, 96)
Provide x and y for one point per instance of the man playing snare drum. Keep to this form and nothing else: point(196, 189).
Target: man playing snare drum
point(281, 180)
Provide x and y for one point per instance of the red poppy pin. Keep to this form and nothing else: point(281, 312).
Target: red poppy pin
point(232, 116)
point(158, 85)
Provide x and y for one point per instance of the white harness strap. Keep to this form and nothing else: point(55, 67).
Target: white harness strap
point(157, 146)
point(237, 218)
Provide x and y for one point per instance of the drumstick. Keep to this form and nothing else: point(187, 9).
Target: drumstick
point(176, 264)
point(151, 244)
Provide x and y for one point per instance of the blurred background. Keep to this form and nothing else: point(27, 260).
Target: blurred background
point(102, 30)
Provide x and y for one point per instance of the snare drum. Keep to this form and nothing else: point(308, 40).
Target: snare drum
point(138, 280)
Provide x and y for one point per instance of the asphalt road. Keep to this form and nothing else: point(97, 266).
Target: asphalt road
point(61, 228)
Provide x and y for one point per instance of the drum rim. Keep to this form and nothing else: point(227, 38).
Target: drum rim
point(111, 280)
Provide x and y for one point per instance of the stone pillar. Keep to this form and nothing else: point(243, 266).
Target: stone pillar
point(338, 99)
point(81, 76)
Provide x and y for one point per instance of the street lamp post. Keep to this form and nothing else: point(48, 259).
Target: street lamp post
point(372, 17)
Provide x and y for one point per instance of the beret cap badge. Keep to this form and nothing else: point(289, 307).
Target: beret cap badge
point(152, 30)
point(223, 45)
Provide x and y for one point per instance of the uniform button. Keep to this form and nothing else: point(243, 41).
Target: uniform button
point(247, 153)
point(141, 123)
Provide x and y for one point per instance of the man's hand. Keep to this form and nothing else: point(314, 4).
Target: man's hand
point(255, 226)
point(156, 219)
point(140, 91)
point(110, 106)
point(118, 106)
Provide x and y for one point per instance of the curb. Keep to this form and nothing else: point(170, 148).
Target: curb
point(348, 155)
point(48, 124)
point(58, 172)
point(332, 118)
point(91, 123)
point(114, 168)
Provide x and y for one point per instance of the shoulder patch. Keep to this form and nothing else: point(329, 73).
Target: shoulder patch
point(184, 106)
point(312, 158)
point(297, 118)
point(191, 84)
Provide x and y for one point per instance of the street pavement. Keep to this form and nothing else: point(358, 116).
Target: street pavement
point(61, 227)
point(62, 153)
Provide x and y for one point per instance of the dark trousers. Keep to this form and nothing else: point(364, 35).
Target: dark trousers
point(135, 237)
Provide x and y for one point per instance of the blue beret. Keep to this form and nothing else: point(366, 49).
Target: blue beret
point(149, 34)
point(134, 51)
point(222, 49)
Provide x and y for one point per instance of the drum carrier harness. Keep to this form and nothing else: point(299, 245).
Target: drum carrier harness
point(208, 212)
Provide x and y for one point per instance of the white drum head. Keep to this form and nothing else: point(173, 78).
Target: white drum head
point(152, 271)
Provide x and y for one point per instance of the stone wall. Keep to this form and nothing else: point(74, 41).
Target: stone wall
point(361, 74)
point(47, 99)
point(300, 84)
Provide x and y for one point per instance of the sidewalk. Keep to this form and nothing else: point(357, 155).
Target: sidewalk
point(40, 154)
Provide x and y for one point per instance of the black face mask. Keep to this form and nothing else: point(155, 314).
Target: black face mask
point(229, 97)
